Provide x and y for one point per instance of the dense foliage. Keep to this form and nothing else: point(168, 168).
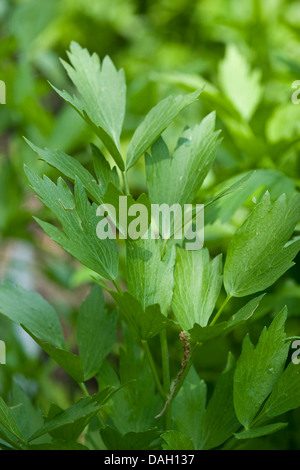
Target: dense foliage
point(143, 344)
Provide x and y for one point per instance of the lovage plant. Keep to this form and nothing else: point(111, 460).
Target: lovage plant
point(147, 400)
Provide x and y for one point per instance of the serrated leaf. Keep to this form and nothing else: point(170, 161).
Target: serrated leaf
point(258, 369)
point(156, 121)
point(286, 394)
point(202, 334)
point(149, 275)
point(68, 432)
point(70, 168)
point(96, 332)
point(260, 251)
point(7, 419)
point(79, 223)
point(114, 440)
point(84, 408)
point(143, 323)
point(197, 284)
point(240, 84)
point(260, 431)
point(68, 361)
point(104, 172)
point(186, 170)
point(101, 96)
point(30, 309)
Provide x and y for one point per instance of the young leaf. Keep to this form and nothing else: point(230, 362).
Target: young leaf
point(96, 332)
point(197, 284)
point(30, 309)
point(241, 85)
point(101, 96)
point(258, 369)
point(79, 222)
point(260, 251)
point(149, 276)
point(186, 170)
point(156, 121)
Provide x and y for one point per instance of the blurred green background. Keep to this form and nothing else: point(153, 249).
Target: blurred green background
point(247, 55)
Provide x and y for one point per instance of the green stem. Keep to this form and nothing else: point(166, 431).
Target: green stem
point(153, 369)
point(166, 375)
point(220, 310)
point(126, 186)
point(117, 286)
point(84, 389)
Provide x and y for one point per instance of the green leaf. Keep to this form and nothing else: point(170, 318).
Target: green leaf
point(186, 170)
point(101, 96)
point(68, 432)
point(27, 417)
point(156, 121)
point(30, 309)
point(202, 334)
point(197, 284)
point(175, 440)
point(7, 420)
point(96, 332)
point(70, 168)
point(260, 251)
point(258, 369)
point(220, 421)
point(134, 407)
point(79, 223)
point(285, 395)
point(150, 273)
point(242, 86)
point(104, 172)
point(118, 205)
point(260, 431)
point(84, 408)
point(189, 407)
point(114, 440)
point(232, 193)
point(144, 323)
point(70, 362)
